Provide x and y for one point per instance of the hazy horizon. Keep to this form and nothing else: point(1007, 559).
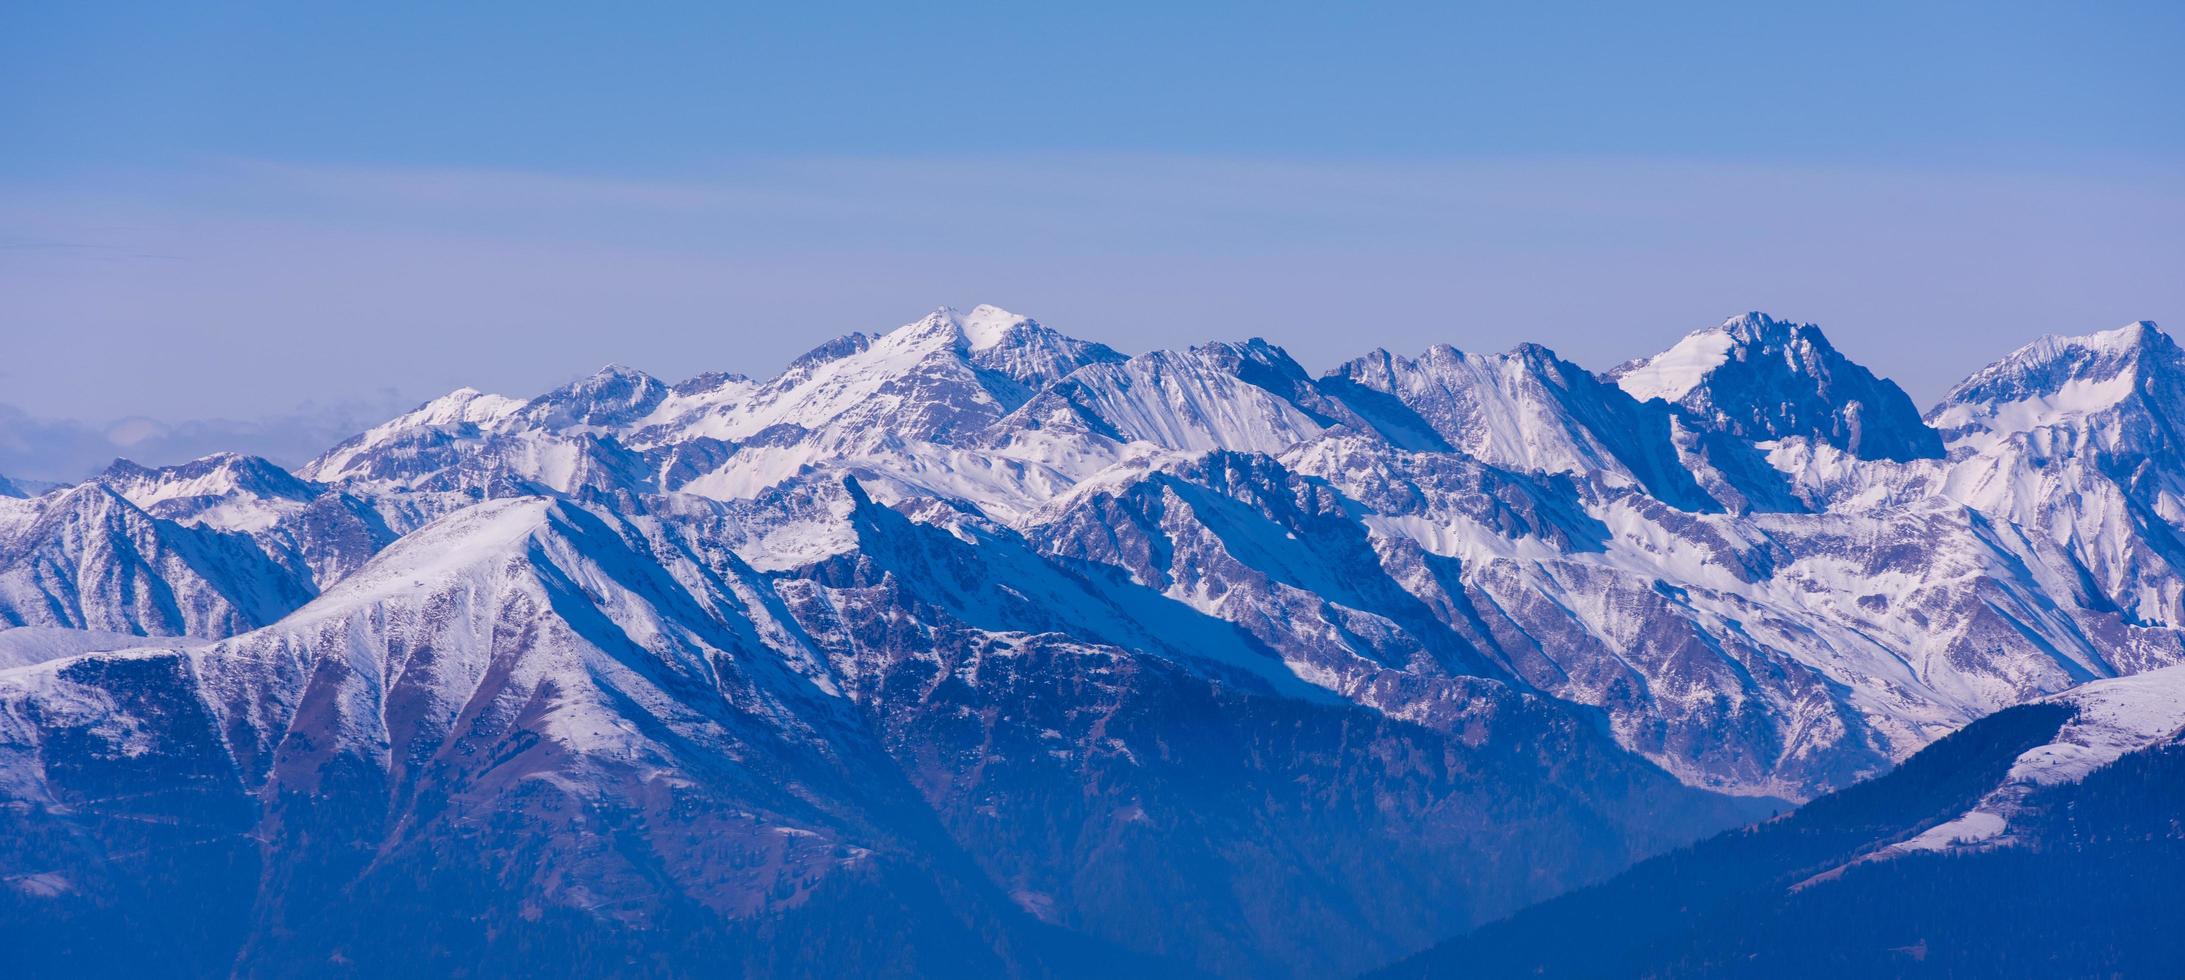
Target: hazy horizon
point(280, 216)
point(45, 450)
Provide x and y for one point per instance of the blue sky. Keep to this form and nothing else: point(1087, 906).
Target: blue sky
point(247, 211)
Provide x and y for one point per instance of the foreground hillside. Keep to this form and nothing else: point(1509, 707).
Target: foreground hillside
point(2044, 840)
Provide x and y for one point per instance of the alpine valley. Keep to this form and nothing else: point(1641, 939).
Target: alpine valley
point(970, 648)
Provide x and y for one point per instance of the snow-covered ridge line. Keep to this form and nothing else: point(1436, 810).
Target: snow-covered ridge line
point(1749, 550)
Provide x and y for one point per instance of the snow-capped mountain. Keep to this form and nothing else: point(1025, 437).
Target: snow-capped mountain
point(417, 438)
point(2078, 439)
point(226, 491)
point(1759, 378)
point(660, 731)
point(1531, 411)
point(1727, 536)
point(88, 558)
point(971, 616)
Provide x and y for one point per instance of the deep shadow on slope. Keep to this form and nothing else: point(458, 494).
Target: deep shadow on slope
point(1725, 906)
point(2095, 895)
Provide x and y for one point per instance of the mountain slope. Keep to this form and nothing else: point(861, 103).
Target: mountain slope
point(524, 661)
point(572, 726)
point(1075, 769)
point(2044, 838)
point(1636, 922)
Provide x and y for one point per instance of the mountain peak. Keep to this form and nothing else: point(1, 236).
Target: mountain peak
point(1538, 356)
point(1755, 327)
point(90, 496)
point(227, 490)
point(612, 372)
point(1759, 378)
point(1673, 373)
point(2101, 347)
point(708, 381)
point(464, 404)
point(467, 411)
point(612, 395)
point(2132, 336)
point(943, 319)
point(982, 328)
point(948, 329)
point(2057, 377)
point(1254, 349)
point(481, 535)
point(123, 468)
point(1025, 350)
point(231, 464)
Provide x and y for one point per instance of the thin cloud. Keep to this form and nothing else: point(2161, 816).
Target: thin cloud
point(46, 450)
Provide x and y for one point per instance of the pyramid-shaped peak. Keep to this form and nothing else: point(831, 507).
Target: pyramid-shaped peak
point(90, 496)
point(1672, 374)
point(1759, 378)
point(612, 377)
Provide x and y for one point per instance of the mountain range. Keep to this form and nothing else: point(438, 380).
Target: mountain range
point(974, 648)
